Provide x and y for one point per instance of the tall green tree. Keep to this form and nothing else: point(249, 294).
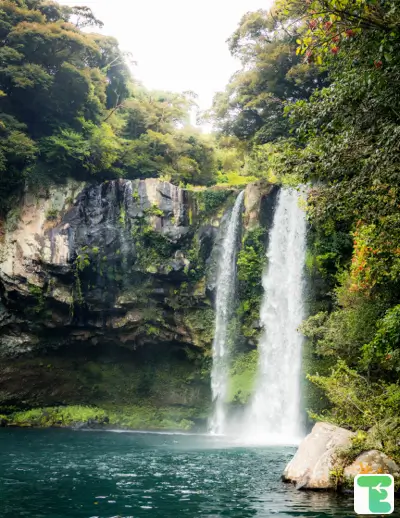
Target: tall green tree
point(272, 75)
point(346, 144)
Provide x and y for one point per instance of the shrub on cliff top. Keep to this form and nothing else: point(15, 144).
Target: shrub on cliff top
point(210, 199)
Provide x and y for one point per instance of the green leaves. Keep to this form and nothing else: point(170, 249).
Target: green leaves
point(17, 153)
point(251, 262)
point(357, 403)
point(93, 152)
point(252, 106)
point(28, 76)
point(67, 149)
point(70, 100)
point(383, 351)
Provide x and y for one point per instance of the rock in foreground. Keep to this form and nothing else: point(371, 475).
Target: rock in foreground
point(311, 466)
point(317, 457)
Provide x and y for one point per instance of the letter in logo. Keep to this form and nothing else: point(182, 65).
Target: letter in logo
point(374, 494)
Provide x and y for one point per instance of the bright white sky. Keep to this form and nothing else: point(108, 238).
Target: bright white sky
point(179, 44)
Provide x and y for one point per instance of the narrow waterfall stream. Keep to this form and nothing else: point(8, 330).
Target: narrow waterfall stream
point(274, 412)
point(224, 302)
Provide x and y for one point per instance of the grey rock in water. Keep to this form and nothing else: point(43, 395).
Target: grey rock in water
point(311, 466)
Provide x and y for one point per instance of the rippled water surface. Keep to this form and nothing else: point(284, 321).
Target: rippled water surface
point(61, 473)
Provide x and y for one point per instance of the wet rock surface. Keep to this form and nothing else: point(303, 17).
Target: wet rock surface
point(78, 253)
point(91, 271)
point(311, 466)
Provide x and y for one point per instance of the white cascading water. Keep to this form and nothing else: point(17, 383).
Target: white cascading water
point(226, 280)
point(274, 415)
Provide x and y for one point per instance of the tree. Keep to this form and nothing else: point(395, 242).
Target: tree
point(67, 99)
point(345, 144)
point(323, 25)
point(252, 106)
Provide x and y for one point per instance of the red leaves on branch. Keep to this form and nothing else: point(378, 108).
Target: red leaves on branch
point(309, 56)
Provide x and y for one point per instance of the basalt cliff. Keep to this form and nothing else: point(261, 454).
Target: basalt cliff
point(107, 294)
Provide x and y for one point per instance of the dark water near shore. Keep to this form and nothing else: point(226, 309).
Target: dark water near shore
point(67, 474)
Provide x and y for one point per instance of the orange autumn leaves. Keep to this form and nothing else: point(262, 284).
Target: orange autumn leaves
point(373, 256)
point(360, 271)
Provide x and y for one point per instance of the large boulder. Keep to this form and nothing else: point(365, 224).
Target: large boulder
point(311, 467)
point(371, 462)
point(254, 202)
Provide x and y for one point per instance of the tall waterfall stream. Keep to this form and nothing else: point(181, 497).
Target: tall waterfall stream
point(273, 415)
point(224, 301)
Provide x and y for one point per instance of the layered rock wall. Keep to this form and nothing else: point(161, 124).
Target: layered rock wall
point(116, 278)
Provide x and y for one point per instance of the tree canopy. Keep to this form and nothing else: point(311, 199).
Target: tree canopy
point(70, 107)
point(272, 75)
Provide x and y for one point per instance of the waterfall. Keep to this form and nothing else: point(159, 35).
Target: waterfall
point(226, 280)
point(274, 413)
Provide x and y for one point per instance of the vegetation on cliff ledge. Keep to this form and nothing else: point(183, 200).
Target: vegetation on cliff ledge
point(143, 417)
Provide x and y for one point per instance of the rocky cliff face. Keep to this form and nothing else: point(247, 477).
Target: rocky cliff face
point(113, 279)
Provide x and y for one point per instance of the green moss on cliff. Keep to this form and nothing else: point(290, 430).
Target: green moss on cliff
point(38, 293)
point(251, 262)
point(197, 268)
point(210, 200)
point(56, 416)
point(139, 417)
point(242, 377)
point(200, 323)
point(157, 379)
point(153, 250)
point(154, 211)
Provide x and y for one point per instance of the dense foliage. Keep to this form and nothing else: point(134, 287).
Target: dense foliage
point(251, 108)
point(318, 99)
point(69, 107)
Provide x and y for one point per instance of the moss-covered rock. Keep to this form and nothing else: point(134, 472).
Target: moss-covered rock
point(200, 323)
point(153, 378)
point(242, 377)
point(251, 264)
point(137, 417)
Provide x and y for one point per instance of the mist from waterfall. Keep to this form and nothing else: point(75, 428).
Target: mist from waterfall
point(274, 414)
point(226, 283)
